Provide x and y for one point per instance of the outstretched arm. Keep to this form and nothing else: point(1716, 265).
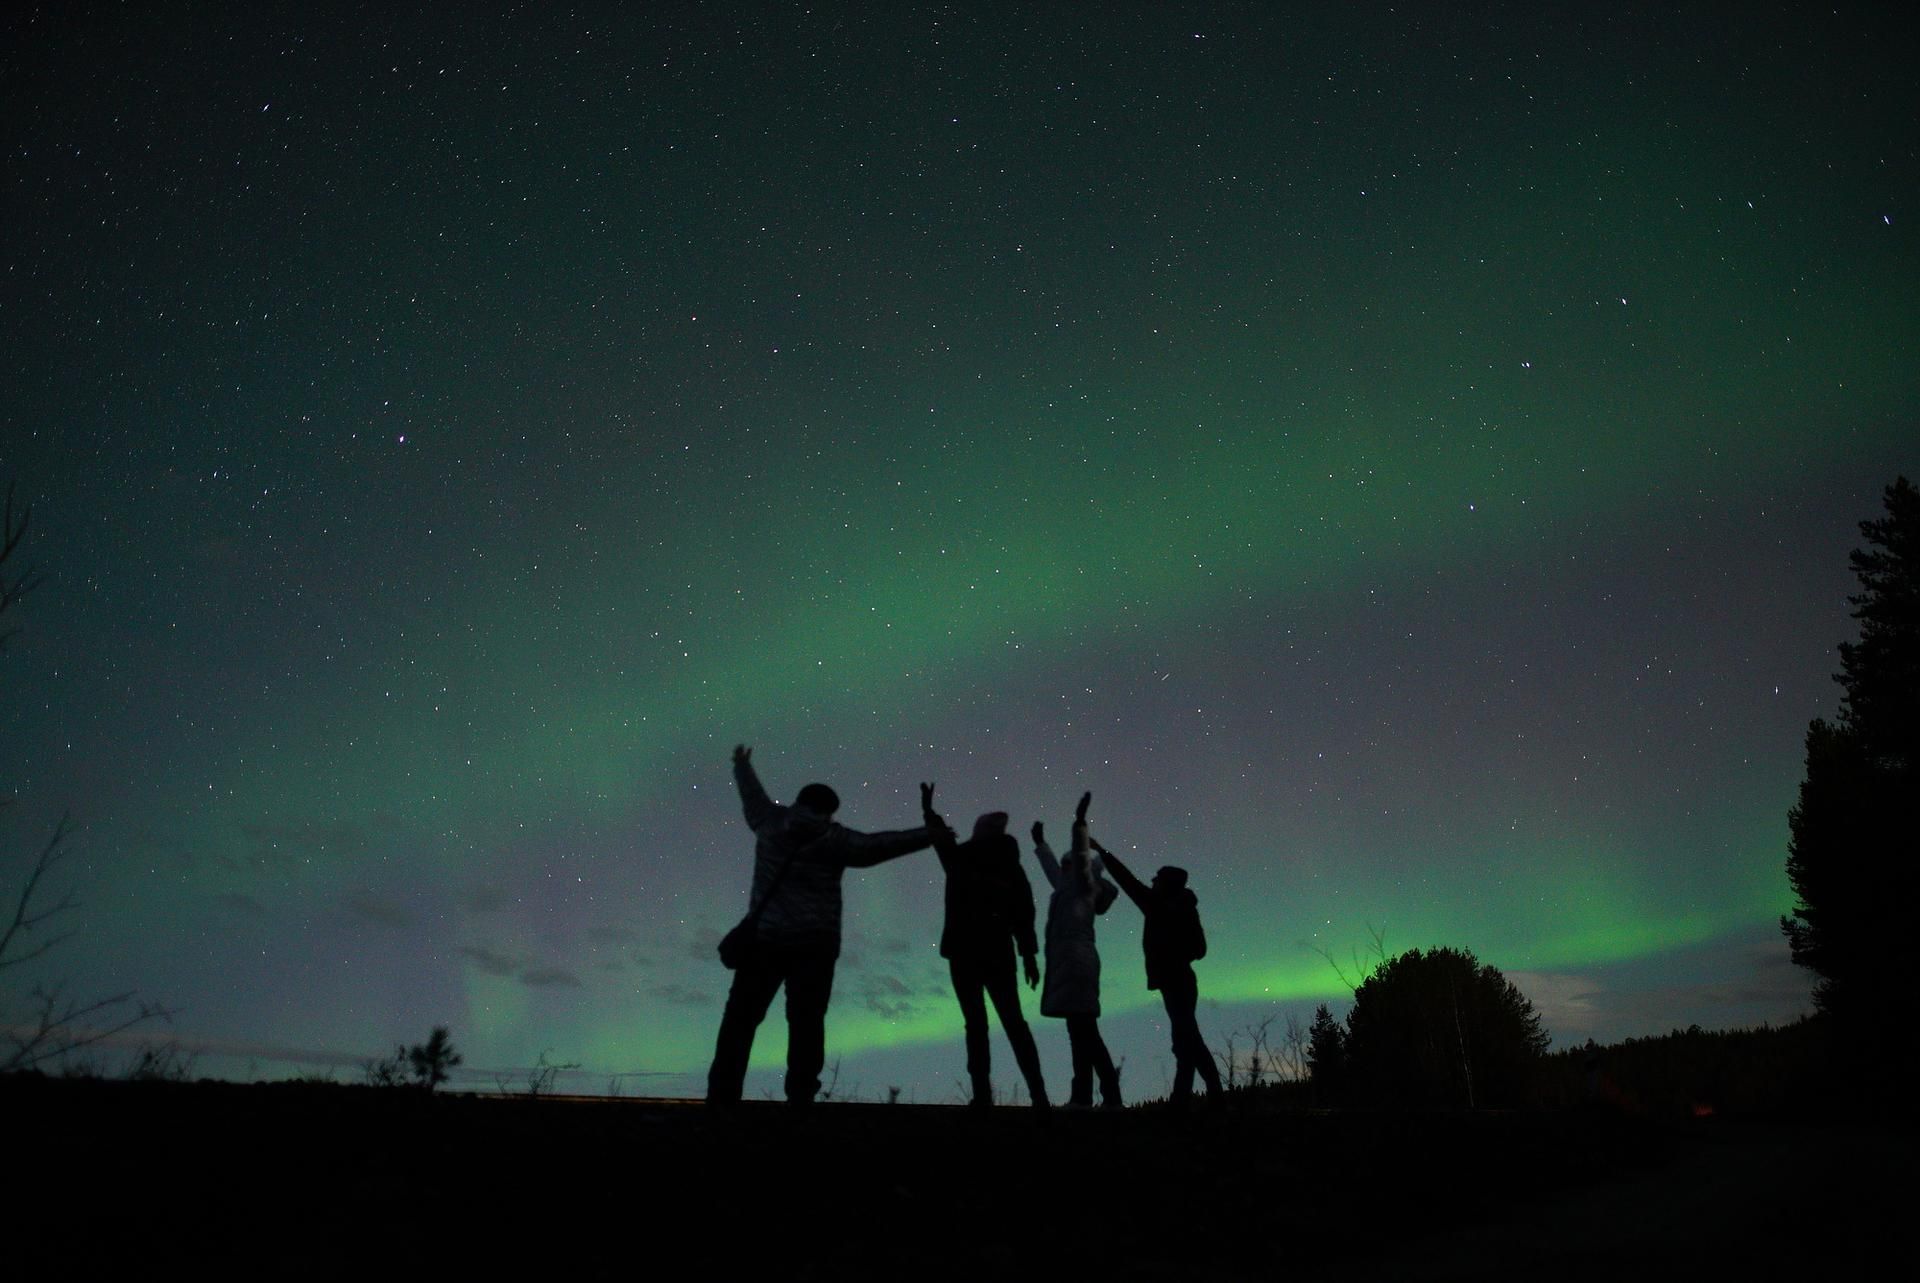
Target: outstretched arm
point(864, 850)
point(1104, 892)
point(759, 808)
point(1049, 865)
point(1136, 889)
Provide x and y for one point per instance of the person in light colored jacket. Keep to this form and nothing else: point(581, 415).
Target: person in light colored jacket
point(1081, 893)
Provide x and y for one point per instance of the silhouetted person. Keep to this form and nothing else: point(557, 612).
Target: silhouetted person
point(799, 855)
point(989, 912)
point(1173, 941)
point(1072, 991)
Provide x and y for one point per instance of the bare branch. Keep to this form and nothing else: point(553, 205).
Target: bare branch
point(1294, 1044)
point(13, 586)
point(1362, 968)
point(54, 1026)
point(25, 916)
point(59, 1027)
point(539, 1080)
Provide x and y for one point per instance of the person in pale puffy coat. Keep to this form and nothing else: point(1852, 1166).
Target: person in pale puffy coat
point(1081, 892)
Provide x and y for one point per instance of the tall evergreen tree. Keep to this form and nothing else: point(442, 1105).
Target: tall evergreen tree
point(1852, 837)
point(1326, 1055)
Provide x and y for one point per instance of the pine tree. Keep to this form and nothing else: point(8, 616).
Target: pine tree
point(1441, 1029)
point(434, 1060)
point(1851, 837)
point(1326, 1055)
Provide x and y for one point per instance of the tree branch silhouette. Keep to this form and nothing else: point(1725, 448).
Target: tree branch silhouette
point(53, 1025)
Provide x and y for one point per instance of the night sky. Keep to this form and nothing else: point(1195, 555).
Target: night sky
point(1403, 465)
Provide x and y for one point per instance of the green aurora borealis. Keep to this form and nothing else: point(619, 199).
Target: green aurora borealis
point(1404, 471)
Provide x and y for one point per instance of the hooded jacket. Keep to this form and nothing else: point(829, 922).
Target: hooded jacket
point(1080, 893)
point(989, 901)
point(1171, 935)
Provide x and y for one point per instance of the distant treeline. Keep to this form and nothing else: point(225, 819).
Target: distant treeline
point(1688, 1072)
point(1696, 1071)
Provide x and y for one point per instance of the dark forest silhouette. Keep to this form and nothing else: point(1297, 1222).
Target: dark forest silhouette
point(1852, 843)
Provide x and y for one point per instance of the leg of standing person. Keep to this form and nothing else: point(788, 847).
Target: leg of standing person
point(1003, 986)
point(1103, 1066)
point(809, 989)
point(754, 985)
point(1181, 995)
point(968, 980)
point(1182, 1074)
point(1080, 1091)
point(1183, 1066)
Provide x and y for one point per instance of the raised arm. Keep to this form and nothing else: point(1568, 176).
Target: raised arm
point(1104, 892)
point(1136, 890)
point(1049, 864)
point(944, 844)
point(760, 809)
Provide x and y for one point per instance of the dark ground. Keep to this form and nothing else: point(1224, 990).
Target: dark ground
point(300, 1180)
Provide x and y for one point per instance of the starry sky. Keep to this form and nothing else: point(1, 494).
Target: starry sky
point(1402, 464)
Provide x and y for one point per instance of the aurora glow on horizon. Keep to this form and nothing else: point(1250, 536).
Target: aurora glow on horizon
point(1403, 467)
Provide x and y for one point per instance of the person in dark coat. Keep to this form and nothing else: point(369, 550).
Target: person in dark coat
point(1173, 941)
point(989, 913)
point(1072, 990)
point(799, 855)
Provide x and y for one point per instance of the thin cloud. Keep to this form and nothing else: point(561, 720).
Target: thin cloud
point(549, 978)
point(487, 897)
point(703, 945)
point(888, 995)
point(381, 912)
point(505, 965)
point(241, 903)
point(490, 961)
point(612, 935)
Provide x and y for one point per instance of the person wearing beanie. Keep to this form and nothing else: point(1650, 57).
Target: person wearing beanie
point(791, 934)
